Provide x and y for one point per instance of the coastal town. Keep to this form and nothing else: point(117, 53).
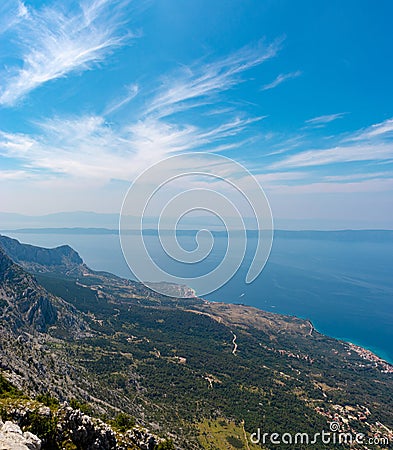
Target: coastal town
point(379, 363)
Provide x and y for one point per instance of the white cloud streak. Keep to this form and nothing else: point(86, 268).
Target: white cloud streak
point(132, 92)
point(358, 176)
point(379, 130)
point(361, 186)
point(192, 85)
point(323, 120)
point(280, 79)
point(339, 154)
point(54, 42)
point(374, 144)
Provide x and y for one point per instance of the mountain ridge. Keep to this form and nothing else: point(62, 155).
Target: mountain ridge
point(38, 259)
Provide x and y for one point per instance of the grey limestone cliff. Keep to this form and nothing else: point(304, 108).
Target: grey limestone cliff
point(13, 438)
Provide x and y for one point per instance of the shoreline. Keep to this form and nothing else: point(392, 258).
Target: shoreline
point(380, 354)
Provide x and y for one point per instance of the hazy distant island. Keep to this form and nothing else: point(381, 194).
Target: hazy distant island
point(335, 235)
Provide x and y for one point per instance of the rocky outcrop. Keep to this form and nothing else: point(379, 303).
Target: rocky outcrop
point(68, 425)
point(142, 438)
point(13, 438)
point(93, 434)
point(84, 431)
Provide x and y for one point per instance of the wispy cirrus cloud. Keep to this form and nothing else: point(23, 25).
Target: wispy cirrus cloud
point(358, 176)
point(338, 154)
point(132, 92)
point(368, 185)
point(11, 13)
point(374, 144)
point(193, 84)
point(90, 148)
point(280, 79)
point(54, 41)
point(323, 120)
point(378, 130)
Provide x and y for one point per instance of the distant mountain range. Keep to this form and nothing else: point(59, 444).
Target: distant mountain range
point(337, 235)
point(204, 374)
point(85, 219)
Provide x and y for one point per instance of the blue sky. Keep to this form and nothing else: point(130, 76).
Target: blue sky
point(94, 91)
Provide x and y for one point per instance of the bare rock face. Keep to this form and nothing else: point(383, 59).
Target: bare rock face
point(12, 438)
point(26, 305)
point(74, 427)
point(143, 439)
point(84, 431)
point(93, 434)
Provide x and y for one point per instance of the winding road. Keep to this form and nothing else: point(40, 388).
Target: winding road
point(234, 343)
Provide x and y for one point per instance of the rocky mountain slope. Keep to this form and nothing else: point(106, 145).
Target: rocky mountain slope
point(204, 374)
point(26, 305)
point(64, 259)
point(45, 423)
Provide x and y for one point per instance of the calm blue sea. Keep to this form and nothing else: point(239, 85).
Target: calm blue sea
point(344, 288)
